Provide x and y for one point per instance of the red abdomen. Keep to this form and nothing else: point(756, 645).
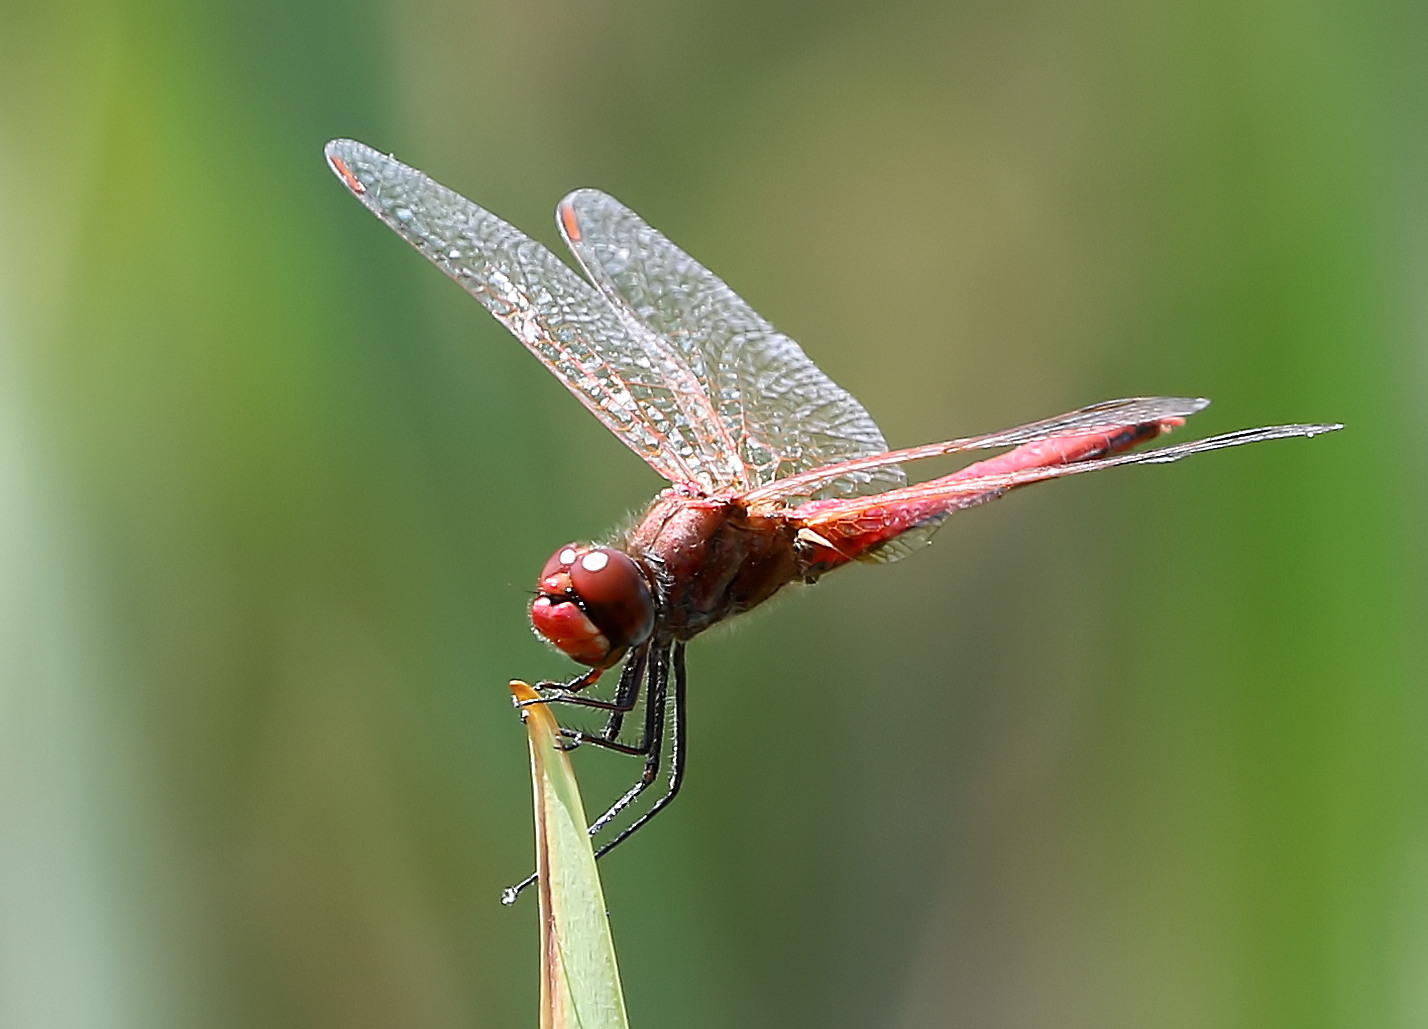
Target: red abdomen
point(834, 532)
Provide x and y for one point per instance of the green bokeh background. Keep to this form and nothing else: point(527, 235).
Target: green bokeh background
point(1144, 749)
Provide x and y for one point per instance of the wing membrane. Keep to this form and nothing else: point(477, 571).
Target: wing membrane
point(1108, 414)
point(780, 414)
point(643, 391)
point(941, 497)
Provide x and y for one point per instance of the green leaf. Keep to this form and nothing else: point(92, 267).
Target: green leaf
point(580, 981)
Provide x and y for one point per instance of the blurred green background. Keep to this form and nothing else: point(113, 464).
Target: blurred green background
point(1144, 749)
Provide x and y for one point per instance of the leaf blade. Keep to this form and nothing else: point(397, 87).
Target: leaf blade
point(580, 979)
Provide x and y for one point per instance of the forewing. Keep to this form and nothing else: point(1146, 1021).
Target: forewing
point(780, 413)
point(641, 390)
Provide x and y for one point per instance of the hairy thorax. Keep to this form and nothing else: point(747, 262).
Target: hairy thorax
point(710, 558)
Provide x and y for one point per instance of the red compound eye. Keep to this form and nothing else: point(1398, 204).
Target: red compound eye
point(614, 593)
point(594, 604)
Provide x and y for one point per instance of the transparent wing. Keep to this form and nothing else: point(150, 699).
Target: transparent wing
point(935, 500)
point(781, 414)
point(639, 387)
point(1108, 414)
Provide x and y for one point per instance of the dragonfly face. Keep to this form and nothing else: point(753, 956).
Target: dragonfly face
point(778, 475)
point(593, 604)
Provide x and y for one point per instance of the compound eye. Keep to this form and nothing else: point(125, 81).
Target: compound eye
point(613, 591)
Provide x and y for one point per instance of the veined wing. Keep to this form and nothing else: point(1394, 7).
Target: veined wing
point(637, 386)
point(780, 414)
point(915, 512)
point(1107, 415)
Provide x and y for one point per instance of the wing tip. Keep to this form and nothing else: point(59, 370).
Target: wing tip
point(567, 212)
point(346, 149)
point(567, 220)
point(346, 157)
point(340, 169)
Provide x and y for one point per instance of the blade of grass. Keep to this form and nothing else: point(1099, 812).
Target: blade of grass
point(580, 981)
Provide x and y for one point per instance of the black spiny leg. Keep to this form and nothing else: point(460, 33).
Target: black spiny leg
point(626, 696)
point(653, 738)
point(677, 755)
point(570, 692)
point(616, 721)
point(638, 668)
point(655, 667)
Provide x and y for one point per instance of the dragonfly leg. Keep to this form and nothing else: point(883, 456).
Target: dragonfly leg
point(580, 682)
point(626, 692)
point(677, 755)
point(652, 738)
point(651, 745)
point(559, 696)
point(577, 738)
point(626, 696)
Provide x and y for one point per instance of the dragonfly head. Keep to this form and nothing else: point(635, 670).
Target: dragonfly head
point(593, 604)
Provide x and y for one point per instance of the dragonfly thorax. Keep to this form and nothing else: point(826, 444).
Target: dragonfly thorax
point(593, 604)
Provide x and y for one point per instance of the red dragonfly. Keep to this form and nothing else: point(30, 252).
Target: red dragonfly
point(777, 474)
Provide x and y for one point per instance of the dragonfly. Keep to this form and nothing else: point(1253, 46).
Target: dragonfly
point(777, 475)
